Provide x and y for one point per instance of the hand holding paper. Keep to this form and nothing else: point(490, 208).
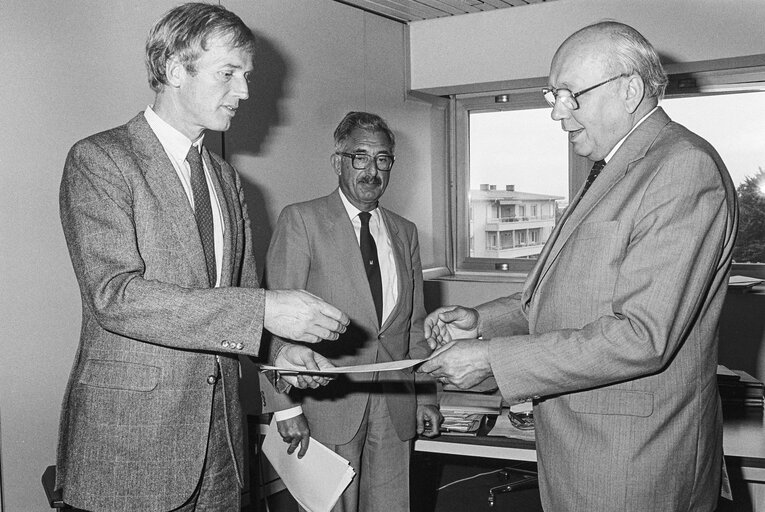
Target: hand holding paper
point(301, 366)
point(317, 480)
point(463, 363)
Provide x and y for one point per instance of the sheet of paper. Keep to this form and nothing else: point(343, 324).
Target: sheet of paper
point(361, 368)
point(317, 480)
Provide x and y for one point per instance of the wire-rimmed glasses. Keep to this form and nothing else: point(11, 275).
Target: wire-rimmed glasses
point(567, 97)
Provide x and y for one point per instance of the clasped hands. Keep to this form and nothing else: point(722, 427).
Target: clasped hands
point(459, 358)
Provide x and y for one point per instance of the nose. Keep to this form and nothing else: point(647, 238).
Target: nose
point(371, 168)
point(559, 111)
point(241, 88)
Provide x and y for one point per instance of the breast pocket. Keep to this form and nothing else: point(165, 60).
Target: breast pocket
point(613, 402)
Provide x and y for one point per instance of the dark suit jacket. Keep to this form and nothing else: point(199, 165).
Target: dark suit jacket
point(136, 411)
point(314, 247)
point(622, 310)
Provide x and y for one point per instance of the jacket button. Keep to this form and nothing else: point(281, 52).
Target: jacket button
point(211, 379)
point(224, 344)
point(239, 346)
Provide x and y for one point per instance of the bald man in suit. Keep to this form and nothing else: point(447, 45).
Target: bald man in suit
point(159, 237)
point(614, 336)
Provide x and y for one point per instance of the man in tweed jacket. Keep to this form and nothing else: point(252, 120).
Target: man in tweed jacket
point(151, 418)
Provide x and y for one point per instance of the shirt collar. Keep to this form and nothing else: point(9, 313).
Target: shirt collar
point(174, 142)
point(619, 144)
point(352, 210)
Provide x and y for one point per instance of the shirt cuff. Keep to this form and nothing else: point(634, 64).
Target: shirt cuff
point(288, 413)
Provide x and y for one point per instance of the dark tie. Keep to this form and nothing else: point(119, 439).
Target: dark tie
point(203, 211)
point(372, 266)
point(596, 168)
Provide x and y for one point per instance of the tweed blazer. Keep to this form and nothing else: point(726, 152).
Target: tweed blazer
point(136, 410)
point(314, 247)
point(615, 333)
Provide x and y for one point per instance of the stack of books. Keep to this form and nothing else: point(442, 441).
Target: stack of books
point(738, 388)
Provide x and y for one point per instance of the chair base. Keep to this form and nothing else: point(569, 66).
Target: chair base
point(520, 478)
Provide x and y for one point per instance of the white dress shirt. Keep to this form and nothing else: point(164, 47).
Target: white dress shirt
point(177, 146)
point(384, 253)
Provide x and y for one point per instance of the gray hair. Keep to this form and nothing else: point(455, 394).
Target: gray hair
point(632, 54)
point(364, 121)
point(185, 31)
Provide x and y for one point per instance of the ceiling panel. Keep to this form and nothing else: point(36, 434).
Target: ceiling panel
point(405, 11)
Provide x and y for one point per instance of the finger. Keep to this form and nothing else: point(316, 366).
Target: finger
point(331, 312)
point(294, 443)
point(303, 446)
point(291, 379)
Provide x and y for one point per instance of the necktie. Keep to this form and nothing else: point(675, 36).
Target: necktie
point(596, 168)
point(203, 211)
point(372, 266)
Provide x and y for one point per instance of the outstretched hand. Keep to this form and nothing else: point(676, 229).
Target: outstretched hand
point(449, 323)
point(301, 316)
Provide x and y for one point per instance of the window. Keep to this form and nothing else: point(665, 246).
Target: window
point(513, 180)
point(516, 173)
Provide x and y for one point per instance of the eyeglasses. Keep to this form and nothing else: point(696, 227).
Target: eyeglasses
point(567, 97)
point(361, 161)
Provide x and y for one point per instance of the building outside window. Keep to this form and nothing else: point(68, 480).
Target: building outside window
point(517, 173)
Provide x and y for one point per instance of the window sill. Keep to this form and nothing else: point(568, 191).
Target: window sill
point(443, 274)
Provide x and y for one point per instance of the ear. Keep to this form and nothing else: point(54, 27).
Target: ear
point(174, 72)
point(337, 162)
point(634, 93)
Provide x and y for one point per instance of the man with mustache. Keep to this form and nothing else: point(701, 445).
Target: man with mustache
point(365, 260)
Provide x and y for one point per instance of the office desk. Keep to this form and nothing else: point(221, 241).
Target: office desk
point(743, 444)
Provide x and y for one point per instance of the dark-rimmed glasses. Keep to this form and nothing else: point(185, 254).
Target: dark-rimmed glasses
point(567, 97)
point(361, 161)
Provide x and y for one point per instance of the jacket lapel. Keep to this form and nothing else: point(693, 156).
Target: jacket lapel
point(632, 150)
point(342, 236)
point(163, 180)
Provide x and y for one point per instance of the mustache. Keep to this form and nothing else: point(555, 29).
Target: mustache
point(370, 180)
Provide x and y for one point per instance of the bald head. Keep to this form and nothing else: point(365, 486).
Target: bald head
point(622, 50)
point(605, 78)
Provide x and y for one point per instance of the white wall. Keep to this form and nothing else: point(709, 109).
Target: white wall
point(73, 68)
point(518, 43)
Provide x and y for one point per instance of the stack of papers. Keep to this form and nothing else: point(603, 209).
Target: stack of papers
point(464, 412)
point(739, 388)
point(317, 480)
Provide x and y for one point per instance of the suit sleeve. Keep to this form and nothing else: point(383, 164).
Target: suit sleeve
point(97, 214)
point(288, 262)
point(671, 262)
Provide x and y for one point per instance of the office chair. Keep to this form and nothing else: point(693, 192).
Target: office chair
point(522, 475)
point(55, 499)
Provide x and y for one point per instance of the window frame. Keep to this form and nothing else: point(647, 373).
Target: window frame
point(704, 77)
